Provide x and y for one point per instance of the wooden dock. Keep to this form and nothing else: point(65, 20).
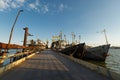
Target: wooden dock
point(49, 65)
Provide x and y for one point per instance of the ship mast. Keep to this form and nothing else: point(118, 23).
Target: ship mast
point(104, 31)
point(73, 38)
point(65, 38)
point(79, 38)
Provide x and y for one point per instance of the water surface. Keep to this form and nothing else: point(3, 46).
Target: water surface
point(113, 60)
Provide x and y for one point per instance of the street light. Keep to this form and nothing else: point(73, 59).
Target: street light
point(13, 28)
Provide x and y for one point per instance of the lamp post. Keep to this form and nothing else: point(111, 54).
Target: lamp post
point(13, 28)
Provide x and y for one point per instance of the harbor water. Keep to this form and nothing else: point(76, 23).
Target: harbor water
point(11, 52)
point(113, 60)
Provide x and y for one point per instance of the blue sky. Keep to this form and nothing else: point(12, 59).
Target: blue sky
point(46, 18)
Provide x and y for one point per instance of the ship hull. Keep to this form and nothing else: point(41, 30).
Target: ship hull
point(97, 53)
point(73, 50)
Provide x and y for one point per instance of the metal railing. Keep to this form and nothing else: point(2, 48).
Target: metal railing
point(15, 57)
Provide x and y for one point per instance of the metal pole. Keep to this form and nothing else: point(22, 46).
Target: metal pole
point(65, 38)
point(73, 38)
point(13, 28)
point(105, 36)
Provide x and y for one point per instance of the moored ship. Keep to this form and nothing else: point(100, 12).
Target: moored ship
point(98, 53)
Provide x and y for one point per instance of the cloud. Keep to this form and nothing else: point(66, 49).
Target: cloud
point(45, 9)
point(13, 5)
point(39, 7)
point(17, 3)
point(4, 4)
point(8, 4)
point(34, 5)
point(21, 1)
point(61, 7)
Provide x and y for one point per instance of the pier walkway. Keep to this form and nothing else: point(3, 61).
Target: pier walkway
point(49, 65)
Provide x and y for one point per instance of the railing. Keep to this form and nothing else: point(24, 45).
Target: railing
point(15, 57)
point(15, 60)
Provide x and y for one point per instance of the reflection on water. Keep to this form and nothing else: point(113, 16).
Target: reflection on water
point(113, 60)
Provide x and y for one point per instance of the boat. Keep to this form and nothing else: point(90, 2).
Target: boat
point(98, 53)
point(74, 50)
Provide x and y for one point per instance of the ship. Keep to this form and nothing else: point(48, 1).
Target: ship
point(74, 50)
point(98, 53)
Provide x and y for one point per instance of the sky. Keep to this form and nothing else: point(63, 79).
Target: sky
point(46, 18)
